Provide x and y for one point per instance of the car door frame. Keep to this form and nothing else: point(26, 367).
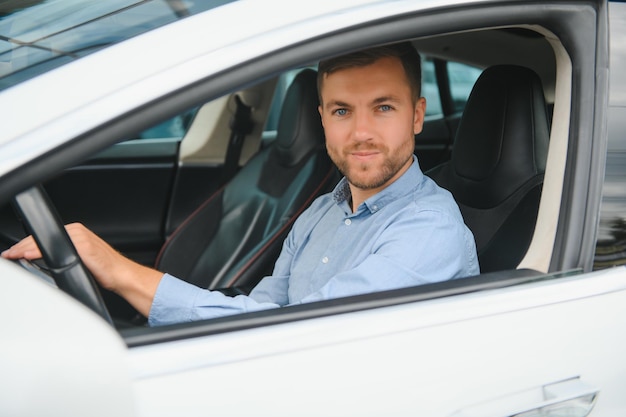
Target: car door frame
point(575, 238)
point(587, 83)
point(173, 341)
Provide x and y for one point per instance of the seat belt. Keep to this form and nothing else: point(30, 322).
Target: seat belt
point(240, 125)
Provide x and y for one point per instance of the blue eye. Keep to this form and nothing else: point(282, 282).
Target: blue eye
point(385, 107)
point(341, 112)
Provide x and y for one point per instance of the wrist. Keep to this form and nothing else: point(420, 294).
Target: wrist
point(137, 284)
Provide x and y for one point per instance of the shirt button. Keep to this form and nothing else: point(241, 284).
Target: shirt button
point(348, 222)
point(325, 259)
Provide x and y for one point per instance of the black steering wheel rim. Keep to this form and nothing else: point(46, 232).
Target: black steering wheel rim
point(57, 250)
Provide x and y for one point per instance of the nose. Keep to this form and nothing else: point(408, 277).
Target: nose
point(362, 127)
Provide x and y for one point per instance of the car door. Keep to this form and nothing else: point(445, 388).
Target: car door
point(539, 349)
point(544, 338)
point(539, 341)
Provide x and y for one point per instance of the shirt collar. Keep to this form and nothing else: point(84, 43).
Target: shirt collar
point(399, 188)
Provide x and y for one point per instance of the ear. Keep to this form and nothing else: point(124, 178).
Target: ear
point(319, 109)
point(418, 117)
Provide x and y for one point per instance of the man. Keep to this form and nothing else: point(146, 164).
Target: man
point(385, 225)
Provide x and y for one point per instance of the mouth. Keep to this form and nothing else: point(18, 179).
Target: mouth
point(364, 155)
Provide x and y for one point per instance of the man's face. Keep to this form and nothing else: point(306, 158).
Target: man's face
point(370, 121)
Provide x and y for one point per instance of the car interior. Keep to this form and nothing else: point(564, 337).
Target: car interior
point(235, 236)
point(496, 172)
point(172, 197)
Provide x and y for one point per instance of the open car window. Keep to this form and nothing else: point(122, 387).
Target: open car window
point(529, 41)
point(143, 133)
point(460, 87)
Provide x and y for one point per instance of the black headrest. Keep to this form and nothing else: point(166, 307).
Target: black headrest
point(502, 139)
point(299, 126)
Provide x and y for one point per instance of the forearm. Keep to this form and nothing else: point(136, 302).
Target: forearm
point(177, 301)
point(135, 283)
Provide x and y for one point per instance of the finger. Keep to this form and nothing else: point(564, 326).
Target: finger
point(25, 248)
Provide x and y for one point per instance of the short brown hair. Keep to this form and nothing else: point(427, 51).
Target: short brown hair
point(407, 54)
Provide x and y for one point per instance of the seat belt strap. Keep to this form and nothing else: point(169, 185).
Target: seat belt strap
point(240, 125)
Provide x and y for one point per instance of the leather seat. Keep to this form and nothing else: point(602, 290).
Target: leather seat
point(234, 238)
point(498, 163)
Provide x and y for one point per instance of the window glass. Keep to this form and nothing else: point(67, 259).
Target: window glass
point(462, 78)
point(36, 37)
point(174, 128)
point(430, 89)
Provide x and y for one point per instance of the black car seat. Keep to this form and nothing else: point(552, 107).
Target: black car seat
point(233, 239)
point(498, 163)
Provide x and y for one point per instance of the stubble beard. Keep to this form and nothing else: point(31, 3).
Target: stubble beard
point(368, 176)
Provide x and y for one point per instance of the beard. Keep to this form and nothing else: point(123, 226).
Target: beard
point(371, 174)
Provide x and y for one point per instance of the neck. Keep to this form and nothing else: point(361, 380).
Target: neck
point(359, 195)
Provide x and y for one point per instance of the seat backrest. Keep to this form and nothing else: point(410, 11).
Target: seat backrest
point(498, 163)
point(234, 238)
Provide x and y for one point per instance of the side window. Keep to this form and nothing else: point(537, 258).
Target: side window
point(159, 141)
point(174, 128)
point(430, 89)
point(461, 79)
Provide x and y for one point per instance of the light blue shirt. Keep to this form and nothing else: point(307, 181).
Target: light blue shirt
point(411, 233)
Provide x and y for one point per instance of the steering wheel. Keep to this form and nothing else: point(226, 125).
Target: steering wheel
point(58, 251)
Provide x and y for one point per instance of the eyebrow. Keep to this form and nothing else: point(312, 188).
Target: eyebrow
point(337, 103)
point(378, 100)
point(385, 99)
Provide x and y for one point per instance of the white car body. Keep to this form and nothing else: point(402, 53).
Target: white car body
point(552, 345)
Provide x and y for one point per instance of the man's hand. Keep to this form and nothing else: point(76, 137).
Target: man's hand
point(111, 269)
